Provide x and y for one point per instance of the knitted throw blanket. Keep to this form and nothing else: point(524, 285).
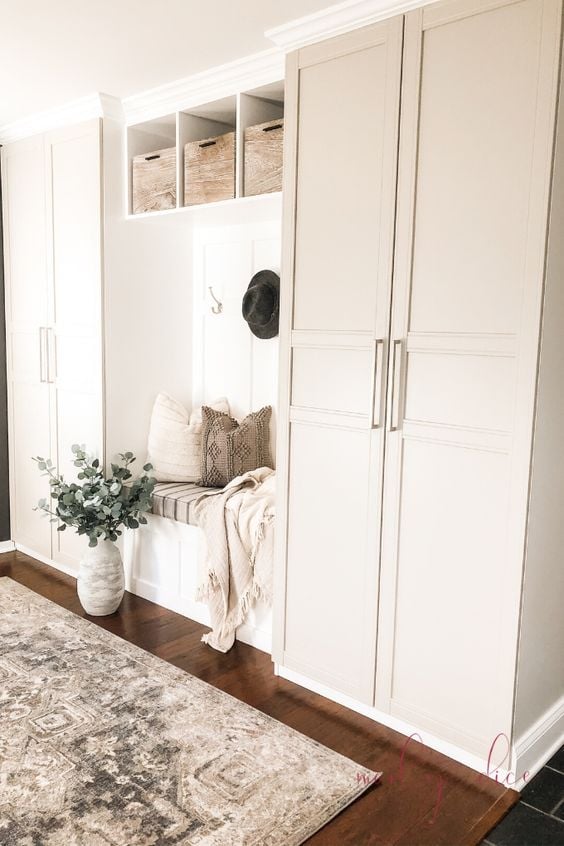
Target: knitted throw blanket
point(238, 526)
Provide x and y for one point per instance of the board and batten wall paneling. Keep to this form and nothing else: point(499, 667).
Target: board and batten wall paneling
point(4, 473)
point(474, 175)
point(228, 359)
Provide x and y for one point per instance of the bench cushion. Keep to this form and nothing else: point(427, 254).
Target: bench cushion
point(174, 500)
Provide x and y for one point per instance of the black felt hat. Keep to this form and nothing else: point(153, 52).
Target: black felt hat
point(261, 304)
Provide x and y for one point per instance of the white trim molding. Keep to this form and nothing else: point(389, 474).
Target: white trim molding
point(539, 743)
point(44, 559)
point(409, 730)
point(205, 87)
point(7, 546)
point(92, 106)
point(336, 20)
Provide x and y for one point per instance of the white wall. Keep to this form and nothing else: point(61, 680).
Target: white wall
point(540, 679)
point(148, 310)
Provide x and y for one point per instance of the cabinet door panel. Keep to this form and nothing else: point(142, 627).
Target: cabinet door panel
point(330, 584)
point(342, 123)
point(332, 379)
point(29, 412)
point(476, 136)
point(478, 102)
point(26, 232)
point(25, 226)
point(76, 340)
point(341, 128)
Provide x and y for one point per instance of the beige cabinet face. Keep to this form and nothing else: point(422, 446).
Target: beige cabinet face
point(24, 178)
point(342, 123)
point(477, 119)
point(52, 207)
point(76, 356)
point(346, 139)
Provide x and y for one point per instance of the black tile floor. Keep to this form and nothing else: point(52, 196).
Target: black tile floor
point(538, 819)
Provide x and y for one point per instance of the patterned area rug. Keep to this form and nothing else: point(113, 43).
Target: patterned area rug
point(102, 743)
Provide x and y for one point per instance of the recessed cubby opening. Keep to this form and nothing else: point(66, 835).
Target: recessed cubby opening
point(200, 126)
point(148, 140)
point(217, 162)
point(262, 107)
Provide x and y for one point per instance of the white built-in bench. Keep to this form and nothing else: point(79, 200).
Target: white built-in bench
point(161, 562)
point(161, 558)
point(174, 500)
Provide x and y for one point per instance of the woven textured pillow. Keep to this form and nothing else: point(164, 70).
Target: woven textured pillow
point(175, 439)
point(230, 448)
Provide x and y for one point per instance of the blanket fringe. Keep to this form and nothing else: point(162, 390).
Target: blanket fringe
point(238, 615)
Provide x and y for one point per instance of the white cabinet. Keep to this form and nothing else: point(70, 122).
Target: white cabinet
point(27, 317)
point(53, 239)
point(401, 550)
point(334, 411)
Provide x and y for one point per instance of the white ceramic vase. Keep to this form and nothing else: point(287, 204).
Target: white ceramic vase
point(101, 579)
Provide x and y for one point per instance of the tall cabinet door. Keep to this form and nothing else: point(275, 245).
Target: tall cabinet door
point(476, 135)
point(75, 336)
point(342, 104)
point(25, 243)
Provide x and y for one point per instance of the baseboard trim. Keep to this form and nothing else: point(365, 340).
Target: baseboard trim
point(197, 611)
point(44, 559)
point(480, 765)
point(539, 743)
point(7, 546)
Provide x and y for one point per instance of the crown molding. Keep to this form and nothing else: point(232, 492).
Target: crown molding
point(205, 87)
point(92, 106)
point(336, 20)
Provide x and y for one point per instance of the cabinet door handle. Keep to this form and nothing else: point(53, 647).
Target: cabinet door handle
point(397, 371)
point(42, 354)
point(51, 356)
point(377, 384)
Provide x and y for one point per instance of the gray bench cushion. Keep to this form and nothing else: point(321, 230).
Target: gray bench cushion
point(174, 499)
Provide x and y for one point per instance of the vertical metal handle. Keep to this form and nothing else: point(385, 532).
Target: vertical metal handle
point(42, 354)
point(397, 369)
point(377, 380)
point(51, 357)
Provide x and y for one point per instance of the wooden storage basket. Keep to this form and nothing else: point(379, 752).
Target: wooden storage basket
point(263, 158)
point(154, 181)
point(209, 170)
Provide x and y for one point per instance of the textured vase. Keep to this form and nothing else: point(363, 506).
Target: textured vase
point(101, 579)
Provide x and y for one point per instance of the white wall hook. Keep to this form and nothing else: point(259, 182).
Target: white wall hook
point(218, 308)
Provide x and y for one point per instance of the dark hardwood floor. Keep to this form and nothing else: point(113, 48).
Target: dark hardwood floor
point(423, 799)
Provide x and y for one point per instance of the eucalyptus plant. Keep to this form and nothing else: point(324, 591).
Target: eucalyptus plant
point(99, 506)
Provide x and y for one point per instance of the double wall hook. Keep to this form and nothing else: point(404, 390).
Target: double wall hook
point(218, 308)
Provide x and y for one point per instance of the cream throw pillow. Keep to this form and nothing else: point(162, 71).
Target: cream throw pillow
point(175, 439)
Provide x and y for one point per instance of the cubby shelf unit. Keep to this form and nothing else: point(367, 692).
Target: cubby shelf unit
point(199, 122)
